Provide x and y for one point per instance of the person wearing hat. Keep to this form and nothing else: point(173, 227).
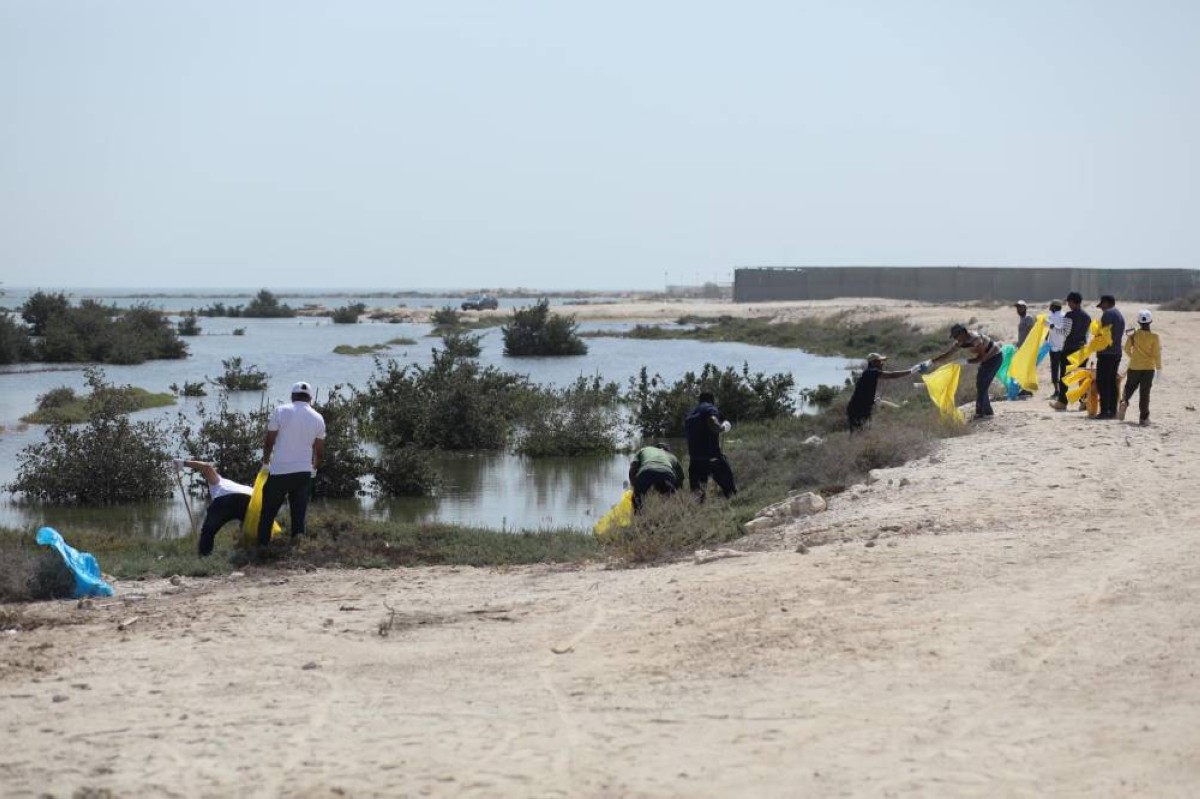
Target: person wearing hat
point(654, 469)
point(985, 352)
point(292, 451)
point(703, 427)
point(862, 401)
point(1108, 360)
point(1024, 322)
point(1059, 326)
point(1145, 357)
point(1024, 325)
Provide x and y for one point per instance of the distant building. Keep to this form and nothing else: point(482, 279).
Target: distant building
point(958, 283)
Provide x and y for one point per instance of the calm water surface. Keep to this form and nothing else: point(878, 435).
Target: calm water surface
point(491, 490)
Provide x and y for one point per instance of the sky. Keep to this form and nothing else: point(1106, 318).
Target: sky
point(605, 145)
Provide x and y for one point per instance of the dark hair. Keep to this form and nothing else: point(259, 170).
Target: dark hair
point(707, 396)
point(957, 330)
point(1074, 296)
point(664, 446)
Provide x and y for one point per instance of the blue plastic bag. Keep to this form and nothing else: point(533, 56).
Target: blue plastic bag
point(82, 564)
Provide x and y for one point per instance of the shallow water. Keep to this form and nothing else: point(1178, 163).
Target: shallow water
point(491, 490)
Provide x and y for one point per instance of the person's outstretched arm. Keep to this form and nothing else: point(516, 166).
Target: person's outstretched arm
point(206, 469)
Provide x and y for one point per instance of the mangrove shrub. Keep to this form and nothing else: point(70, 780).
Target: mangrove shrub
point(536, 331)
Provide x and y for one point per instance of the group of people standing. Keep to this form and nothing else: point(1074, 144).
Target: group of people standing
point(1068, 333)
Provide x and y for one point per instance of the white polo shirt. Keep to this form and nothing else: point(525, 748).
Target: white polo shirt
point(224, 487)
point(298, 426)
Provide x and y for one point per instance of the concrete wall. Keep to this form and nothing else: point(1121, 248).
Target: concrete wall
point(956, 283)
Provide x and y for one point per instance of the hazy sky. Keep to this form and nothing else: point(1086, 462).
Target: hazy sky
point(552, 145)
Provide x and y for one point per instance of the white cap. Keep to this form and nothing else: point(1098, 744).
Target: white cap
point(1145, 317)
point(1021, 304)
point(302, 388)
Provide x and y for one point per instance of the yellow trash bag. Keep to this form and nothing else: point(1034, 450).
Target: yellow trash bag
point(943, 385)
point(254, 512)
point(1082, 380)
point(619, 515)
point(1023, 368)
point(1101, 340)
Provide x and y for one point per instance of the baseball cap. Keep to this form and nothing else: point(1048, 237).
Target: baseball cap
point(876, 356)
point(302, 388)
point(1145, 317)
point(1020, 304)
point(1106, 298)
point(1056, 304)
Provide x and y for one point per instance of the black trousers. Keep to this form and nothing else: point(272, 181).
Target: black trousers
point(1058, 369)
point(652, 480)
point(1140, 380)
point(700, 469)
point(294, 488)
point(1106, 383)
point(983, 381)
point(221, 511)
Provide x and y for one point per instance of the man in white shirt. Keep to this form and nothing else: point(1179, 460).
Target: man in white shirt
point(229, 502)
point(293, 448)
point(1059, 325)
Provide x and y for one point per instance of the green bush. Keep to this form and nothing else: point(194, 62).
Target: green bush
point(189, 325)
point(345, 464)
point(348, 314)
point(99, 333)
point(452, 404)
point(108, 460)
point(15, 346)
point(266, 306)
point(230, 440)
point(188, 389)
point(659, 407)
point(460, 344)
point(63, 405)
point(406, 471)
point(241, 378)
point(239, 331)
point(583, 418)
point(536, 331)
point(445, 317)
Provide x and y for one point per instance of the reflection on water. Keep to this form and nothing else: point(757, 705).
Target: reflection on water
point(497, 491)
point(487, 490)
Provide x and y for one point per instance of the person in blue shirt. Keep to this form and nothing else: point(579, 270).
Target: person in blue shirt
point(1108, 360)
point(703, 427)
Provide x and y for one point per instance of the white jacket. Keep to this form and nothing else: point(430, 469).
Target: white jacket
point(1060, 328)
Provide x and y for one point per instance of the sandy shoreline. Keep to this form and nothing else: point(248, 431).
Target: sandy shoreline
point(1019, 617)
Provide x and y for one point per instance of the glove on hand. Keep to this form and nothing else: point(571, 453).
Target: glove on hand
point(726, 427)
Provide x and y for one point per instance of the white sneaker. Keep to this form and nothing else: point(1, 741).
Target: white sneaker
point(1124, 406)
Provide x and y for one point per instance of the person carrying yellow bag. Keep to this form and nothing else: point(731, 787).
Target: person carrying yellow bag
point(1145, 358)
point(229, 500)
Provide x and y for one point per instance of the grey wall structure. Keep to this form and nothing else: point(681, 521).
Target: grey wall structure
point(958, 283)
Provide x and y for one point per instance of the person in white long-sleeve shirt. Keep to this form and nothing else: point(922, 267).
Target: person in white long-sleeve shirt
point(1059, 325)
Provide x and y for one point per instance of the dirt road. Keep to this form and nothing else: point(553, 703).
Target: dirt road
point(1016, 615)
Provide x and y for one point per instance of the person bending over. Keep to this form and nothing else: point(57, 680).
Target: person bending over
point(862, 401)
point(703, 427)
point(228, 502)
point(981, 350)
point(654, 469)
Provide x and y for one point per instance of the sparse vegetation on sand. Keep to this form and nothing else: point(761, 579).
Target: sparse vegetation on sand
point(839, 334)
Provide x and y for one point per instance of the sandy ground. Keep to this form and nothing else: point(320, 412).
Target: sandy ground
point(1015, 615)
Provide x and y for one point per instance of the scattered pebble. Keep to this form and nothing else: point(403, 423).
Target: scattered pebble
point(803, 550)
point(59, 698)
point(309, 666)
point(176, 580)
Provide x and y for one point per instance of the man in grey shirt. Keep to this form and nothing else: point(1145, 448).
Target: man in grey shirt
point(1024, 322)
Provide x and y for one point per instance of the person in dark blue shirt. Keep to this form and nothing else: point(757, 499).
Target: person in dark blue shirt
point(862, 401)
point(703, 426)
point(1108, 360)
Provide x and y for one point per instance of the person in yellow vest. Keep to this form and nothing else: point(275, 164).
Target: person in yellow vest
point(229, 501)
point(1145, 358)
